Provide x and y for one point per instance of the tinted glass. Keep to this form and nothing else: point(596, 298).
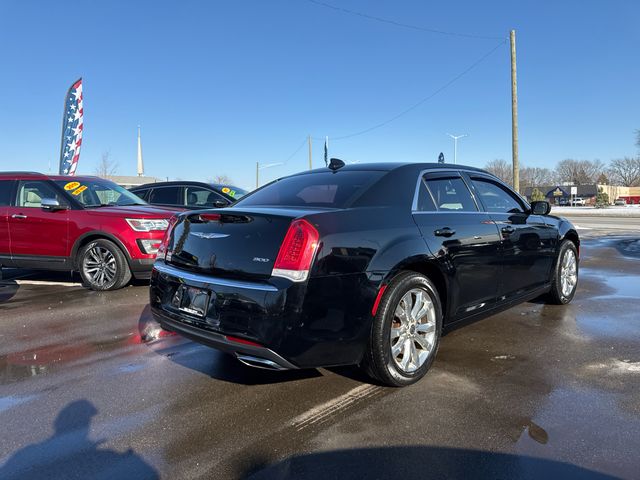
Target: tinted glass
point(31, 193)
point(451, 194)
point(234, 192)
point(495, 198)
point(326, 189)
point(165, 195)
point(201, 197)
point(425, 202)
point(98, 193)
point(6, 187)
point(142, 193)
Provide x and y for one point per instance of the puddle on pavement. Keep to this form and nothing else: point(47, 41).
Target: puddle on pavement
point(586, 420)
point(14, 400)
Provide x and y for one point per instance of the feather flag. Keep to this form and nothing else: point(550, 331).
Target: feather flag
point(326, 151)
point(72, 125)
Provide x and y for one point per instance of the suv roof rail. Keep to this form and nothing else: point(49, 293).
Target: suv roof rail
point(21, 173)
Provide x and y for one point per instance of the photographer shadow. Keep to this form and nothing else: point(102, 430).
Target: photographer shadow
point(69, 453)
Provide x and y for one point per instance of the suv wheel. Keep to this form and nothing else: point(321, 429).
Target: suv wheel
point(406, 331)
point(565, 275)
point(103, 266)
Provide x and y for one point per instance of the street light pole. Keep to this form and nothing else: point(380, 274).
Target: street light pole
point(455, 146)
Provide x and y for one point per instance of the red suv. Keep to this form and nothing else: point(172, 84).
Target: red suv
point(86, 224)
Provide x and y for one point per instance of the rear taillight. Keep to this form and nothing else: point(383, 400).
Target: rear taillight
point(162, 248)
point(297, 251)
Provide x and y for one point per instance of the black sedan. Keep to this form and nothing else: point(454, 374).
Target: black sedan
point(359, 264)
point(187, 194)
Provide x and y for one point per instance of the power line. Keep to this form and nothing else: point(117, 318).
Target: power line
point(400, 24)
point(294, 153)
point(425, 99)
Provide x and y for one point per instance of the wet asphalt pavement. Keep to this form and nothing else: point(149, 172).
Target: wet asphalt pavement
point(90, 388)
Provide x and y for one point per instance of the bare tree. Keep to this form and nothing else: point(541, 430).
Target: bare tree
point(625, 171)
point(579, 172)
point(638, 138)
point(221, 179)
point(501, 169)
point(535, 177)
point(107, 167)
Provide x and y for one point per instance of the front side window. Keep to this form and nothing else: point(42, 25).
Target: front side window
point(31, 193)
point(326, 189)
point(495, 198)
point(201, 197)
point(451, 194)
point(92, 193)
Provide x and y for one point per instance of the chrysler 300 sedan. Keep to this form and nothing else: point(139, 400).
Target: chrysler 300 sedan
point(361, 264)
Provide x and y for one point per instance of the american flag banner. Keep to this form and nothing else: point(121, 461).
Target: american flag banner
point(71, 130)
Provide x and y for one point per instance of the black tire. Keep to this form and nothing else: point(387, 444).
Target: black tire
point(378, 360)
point(556, 295)
point(115, 265)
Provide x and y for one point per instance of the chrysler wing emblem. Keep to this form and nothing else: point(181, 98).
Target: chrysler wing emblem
point(209, 236)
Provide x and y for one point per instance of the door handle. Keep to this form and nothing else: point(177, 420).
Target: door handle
point(508, 230)
point(19, 216)
point(444, 232)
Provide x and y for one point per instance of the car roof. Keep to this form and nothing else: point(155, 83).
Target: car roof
point(171, 184)
point(43, 176)
point(390, 166)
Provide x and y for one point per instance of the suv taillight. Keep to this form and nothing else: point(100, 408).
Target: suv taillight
point(162, 248)
point(297, 251)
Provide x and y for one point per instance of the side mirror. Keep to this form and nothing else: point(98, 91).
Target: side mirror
point(51, 205)
point(540, 208)
point(220, 203)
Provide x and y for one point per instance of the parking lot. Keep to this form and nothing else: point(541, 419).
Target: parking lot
point(90, 387)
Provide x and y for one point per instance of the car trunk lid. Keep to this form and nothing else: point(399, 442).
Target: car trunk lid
point(230, 242)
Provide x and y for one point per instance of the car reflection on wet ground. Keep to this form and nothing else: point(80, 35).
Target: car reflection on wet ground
point(91, 387)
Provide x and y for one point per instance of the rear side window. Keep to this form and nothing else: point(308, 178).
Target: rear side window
point(142, 193)
point(495, 198)
point(451, 194)
point(6, 187)
point(165, 196)
point(425, 201)
point(326, 189)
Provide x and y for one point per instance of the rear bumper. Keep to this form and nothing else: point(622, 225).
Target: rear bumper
point(323, 322)
point(254, 355)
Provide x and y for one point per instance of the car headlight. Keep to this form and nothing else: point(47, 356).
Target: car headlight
point(147, 225)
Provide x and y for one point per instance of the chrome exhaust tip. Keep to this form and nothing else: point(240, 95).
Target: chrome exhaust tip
point(258, 362)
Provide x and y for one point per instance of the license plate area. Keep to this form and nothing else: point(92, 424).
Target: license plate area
point(191, 300)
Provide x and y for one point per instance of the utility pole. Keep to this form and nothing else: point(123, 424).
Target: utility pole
point(455, 146)
point(310, 167)
point(257, 170)
point(514, 114)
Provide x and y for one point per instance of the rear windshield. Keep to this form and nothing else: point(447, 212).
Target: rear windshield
point(326, 189)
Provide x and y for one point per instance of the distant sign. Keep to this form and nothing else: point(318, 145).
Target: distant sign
point(574, 190)
point(557, 192)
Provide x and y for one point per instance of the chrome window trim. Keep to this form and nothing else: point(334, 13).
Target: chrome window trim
point(223, 282)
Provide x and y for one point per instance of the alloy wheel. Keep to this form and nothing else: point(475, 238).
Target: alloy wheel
point(99, 266)
point(413, 330)
point(568, 273)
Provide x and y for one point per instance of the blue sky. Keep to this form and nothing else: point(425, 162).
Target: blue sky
point(219, 85)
